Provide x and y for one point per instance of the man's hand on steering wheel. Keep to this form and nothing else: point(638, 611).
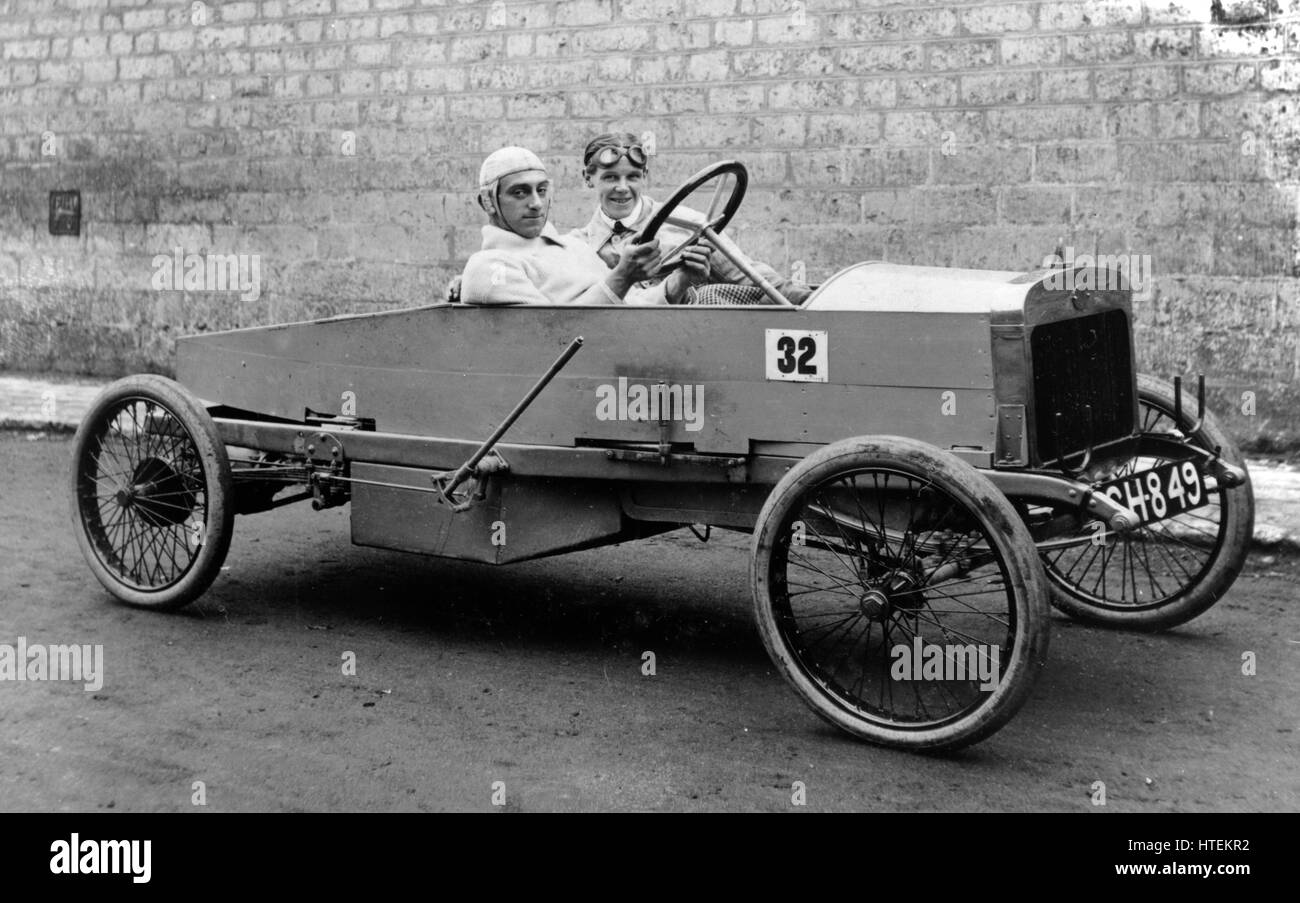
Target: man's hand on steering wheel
point(694, 270)
point(636, 263)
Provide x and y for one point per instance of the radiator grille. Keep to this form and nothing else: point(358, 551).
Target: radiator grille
point(1085, 361)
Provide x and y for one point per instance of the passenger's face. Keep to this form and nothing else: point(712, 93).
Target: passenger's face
point(524, 202)
point(619, 187)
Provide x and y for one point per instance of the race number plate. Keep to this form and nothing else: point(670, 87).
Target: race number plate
point(796, 355)
point(1162, 492)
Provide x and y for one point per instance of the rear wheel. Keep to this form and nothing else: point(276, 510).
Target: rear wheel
point(899, 594)
point(151, 493)
point(1168, 572)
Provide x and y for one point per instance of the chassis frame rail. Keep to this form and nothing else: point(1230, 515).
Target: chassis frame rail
point(438, 454)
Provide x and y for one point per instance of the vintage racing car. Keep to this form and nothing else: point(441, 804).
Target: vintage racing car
point(925, 458)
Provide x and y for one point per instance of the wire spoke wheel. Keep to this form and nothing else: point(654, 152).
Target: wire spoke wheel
point(1164, 573)
point(150, 493)
point(891, 596)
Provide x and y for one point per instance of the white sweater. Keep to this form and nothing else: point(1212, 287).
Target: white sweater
point(549, 269)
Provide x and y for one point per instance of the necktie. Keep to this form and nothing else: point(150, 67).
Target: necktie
point(609, 252)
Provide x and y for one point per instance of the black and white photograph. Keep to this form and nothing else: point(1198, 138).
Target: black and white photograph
point(650, 406)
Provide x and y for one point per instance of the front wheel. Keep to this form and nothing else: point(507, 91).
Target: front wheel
point(1165, 573)
point(899, 594)
point(152, 504)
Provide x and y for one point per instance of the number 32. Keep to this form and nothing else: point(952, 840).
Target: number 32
point(796, 355)
point(807, 347)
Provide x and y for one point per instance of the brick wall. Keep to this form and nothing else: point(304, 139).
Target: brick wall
point(337, 140)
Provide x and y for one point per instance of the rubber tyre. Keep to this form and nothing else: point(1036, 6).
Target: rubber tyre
point(1009, 541)
point(1156, 397)
point(198, 464)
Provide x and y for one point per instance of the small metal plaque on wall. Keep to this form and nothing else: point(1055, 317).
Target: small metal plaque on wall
point(65, 212)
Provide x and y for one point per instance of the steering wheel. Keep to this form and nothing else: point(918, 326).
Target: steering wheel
point(673, 259)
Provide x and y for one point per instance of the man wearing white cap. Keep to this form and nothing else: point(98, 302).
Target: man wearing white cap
point(524, 260)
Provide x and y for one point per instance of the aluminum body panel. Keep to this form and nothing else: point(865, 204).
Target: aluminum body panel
point(454, 371)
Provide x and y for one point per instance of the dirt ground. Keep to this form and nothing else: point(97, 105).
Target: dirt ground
point(530, 675)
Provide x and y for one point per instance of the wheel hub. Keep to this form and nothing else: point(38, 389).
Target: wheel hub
point(899, 591)
point(158, 492)
point(874, 604)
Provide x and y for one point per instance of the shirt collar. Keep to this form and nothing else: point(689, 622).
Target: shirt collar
point(629, 221)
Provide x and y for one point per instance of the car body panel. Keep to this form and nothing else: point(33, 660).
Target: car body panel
point(455, 371)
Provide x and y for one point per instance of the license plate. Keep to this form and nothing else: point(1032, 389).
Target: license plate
point(1162, 492)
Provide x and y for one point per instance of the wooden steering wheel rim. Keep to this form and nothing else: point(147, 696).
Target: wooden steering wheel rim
point(689, 187)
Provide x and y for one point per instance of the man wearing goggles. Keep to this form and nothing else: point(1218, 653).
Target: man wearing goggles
point(615, 164)
point(524, 260)
point(609, 155)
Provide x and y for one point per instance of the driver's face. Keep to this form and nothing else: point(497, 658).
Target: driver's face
point(524, 202)
point(619, 187)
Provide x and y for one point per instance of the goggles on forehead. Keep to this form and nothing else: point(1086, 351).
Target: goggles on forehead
point(608, 156)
